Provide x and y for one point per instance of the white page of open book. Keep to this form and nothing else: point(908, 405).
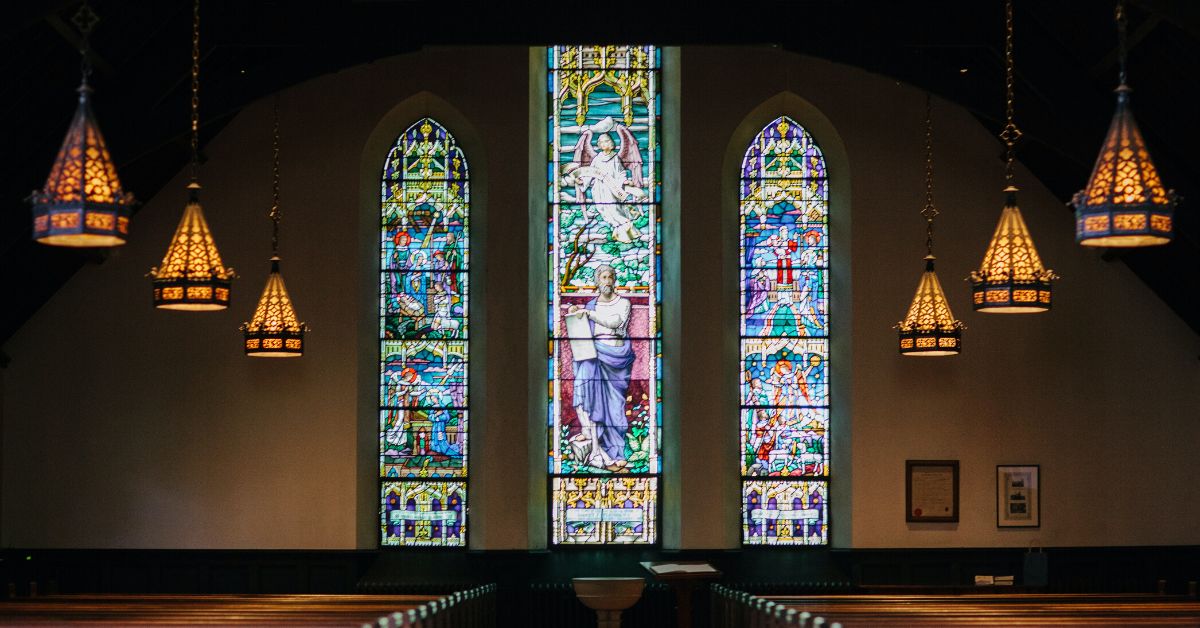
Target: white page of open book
point(678, 568)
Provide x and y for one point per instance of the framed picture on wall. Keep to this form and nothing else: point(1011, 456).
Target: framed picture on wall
point(1018, 496)
point(931, 491)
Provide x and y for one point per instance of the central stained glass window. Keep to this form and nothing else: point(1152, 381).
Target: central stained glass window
point(605, 287)
point(784, 277)
point(423, 343)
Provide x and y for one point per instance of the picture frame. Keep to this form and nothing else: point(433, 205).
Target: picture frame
point(931, 491)
point(1018, 496)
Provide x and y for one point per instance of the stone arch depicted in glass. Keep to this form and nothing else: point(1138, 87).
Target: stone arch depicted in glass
point(784, 369)
point(604, 292)
point(423, 346)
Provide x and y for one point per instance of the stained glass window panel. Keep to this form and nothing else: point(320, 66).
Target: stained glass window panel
point(784, 369)
point(597, 510)
point(604, 287)
point(423, 346)
point(785, 513)
point(784, 442)
point(427, 513)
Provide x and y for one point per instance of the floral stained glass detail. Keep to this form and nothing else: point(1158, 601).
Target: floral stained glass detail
point(784, 370)
point(423, 339)
point(604, 289)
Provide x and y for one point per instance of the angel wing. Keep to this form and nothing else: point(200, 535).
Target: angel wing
point(584, 153)
point(630, 156)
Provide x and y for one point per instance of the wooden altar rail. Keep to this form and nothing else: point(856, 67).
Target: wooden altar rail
point(733, 609)
point(470, 609)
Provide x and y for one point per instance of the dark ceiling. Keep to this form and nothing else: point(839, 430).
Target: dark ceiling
point(1065, 50)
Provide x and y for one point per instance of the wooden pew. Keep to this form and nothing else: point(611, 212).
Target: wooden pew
point(473, 608)
point(311, 610)
point(990, 609)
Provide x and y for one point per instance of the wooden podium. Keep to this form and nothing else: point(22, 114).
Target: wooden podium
point(683, 577)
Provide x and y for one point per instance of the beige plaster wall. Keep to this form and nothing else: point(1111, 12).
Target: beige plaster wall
point(127, 427)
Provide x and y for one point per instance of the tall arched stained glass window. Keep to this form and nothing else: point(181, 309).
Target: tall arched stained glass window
point(604, 293)
point(423, 340)
point(784, 211)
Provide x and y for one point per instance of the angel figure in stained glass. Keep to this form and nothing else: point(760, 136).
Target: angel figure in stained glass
point(611, 175)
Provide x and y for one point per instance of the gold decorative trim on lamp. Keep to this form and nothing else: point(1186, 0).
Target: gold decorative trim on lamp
point(1012, 278)
point(929, 328)
point(274, 331)
point(82, 203)
point(1125, 203)
point(192, 275)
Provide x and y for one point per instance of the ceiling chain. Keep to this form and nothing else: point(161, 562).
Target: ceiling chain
point(929, 211)
point(195, 89)
point(1122, 45)
point(1011, 134)
point(275, 214)
point(85, 19)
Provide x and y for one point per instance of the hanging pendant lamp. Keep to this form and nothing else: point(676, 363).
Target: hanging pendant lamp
point(1012, 278)
point(274, 331)
point(929, 328)
point(192, 275)
point(82, 203)
point(1124, 203)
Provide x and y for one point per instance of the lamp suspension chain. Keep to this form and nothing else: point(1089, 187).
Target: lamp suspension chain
point(929, 211)
point(1011, 133)
point(1122, 45)
point(275, 181)
point(85, 19)
point(195, 89)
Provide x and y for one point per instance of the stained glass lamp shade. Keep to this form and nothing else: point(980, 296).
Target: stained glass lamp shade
point(192, 276)
point(82, 203)
point(1124, 203)
point(274, 331)
point(930, 329)
point(1012, 279)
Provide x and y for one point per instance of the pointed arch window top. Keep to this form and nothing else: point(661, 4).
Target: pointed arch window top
point(783, 150)
point(426, 151)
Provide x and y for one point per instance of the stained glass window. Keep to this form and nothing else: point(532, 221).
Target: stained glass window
point(784, 278)
point(423, 346)
point(605, 286)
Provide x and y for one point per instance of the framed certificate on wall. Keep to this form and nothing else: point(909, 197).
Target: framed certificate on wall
point(931, 491)
point(1018, 496)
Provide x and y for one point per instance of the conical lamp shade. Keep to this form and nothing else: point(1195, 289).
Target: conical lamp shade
point(274, 331)
point(82, 203)
point(1012, 279)
point(929, 329)
point(1124, 203)
point(192, 276)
